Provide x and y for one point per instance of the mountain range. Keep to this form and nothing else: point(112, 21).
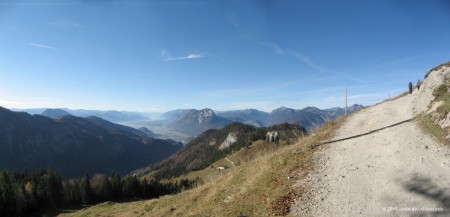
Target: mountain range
point(75, 146)
point(185, 124)
point(110, 115)
point(189, 123)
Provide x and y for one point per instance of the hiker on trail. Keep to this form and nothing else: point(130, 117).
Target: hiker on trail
point(410, 87)
point(418, 85)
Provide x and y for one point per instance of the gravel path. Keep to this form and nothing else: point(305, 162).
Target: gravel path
point(397, 171)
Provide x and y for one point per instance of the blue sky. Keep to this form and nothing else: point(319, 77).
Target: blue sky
point(162, 55)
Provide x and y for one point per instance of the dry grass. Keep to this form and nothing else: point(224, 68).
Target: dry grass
point(395, 97)
point(258, 148)
point(261, 186)
point(427, 125)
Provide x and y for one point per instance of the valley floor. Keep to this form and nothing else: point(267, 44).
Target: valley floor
point(396, 171)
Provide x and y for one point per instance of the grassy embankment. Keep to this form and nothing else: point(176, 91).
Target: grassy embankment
point(428, 121)
point(261, 185)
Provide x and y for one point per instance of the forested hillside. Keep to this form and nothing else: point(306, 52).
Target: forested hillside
point(38, 192)
point(213, 145)
point(74, 146)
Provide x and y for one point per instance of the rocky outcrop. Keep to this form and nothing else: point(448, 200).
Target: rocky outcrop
point(272, 136)
point(432, 97)
point(193, 122)
point(425, 100)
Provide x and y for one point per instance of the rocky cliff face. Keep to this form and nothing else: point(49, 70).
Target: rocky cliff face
point(194, 122)
point(433, 98)
point(205, 115)
point(436, 78)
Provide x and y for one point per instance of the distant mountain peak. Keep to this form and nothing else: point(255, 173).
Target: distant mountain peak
point(193, 121)
point(311, 108)
point(54, 113)
point(281, 109)
point(205, 114)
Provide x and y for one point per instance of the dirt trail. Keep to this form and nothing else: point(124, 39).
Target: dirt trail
point(231, 162)
point(397, 171)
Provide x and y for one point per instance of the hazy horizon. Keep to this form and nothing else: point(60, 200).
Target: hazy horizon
point(161, 112)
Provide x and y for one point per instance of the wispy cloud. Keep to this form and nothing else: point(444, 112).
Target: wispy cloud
point(42, 46)
point(366, 96)
point(243, 91)
point(295, 54)
point(64, 24)
point(320, 91)
point(306, 60)
point(362, 98)
point(229, 93)
point(233, 19)
point(166, 56)
point(403, 60)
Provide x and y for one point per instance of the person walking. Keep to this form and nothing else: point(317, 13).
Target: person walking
point(410, 87)
point(418, 85)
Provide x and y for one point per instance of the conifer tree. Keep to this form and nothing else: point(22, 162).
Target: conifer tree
point(85, 191)
point(7, 199)
point(116, 184)
point(54, 188)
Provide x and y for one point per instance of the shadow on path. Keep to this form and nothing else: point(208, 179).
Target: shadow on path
point(425, 187)
point(365, 134)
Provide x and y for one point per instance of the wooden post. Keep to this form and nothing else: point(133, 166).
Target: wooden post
point(345, 109)
point(389, 92)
